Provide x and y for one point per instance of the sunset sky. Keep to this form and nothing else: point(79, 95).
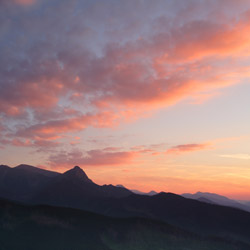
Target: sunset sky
point(154, 95)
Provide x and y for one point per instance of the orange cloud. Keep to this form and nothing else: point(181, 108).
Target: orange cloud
point(192, 43)
point(95, 157)
point(185, 148)
point(237, 156)
point(108, 156)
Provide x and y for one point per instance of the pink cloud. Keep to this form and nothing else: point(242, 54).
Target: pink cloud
point(40, 95)
point(125, 81)
point(122, 77)
point(109, 156)
point(186, 148)
point(95, 157)
point(40, 144)
point(25, 2)
point(201, 39)
point(53, 129)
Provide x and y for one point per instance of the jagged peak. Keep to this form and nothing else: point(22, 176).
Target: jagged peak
point(77, 172)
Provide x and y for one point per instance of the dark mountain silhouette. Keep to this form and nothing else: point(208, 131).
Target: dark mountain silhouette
point(76, 173)
point(36, 170)
point(135, 191)
point(22, 182)
point(189, 214)
point(30, 184)
point(199, 217)
point(217, 199)
point(54, 228)
point(75, 190)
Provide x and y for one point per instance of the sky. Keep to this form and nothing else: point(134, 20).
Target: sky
point(154, 95)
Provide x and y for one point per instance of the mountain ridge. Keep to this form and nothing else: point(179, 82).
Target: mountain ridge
point(73, 189)
point(217, 199)
point(56, 228)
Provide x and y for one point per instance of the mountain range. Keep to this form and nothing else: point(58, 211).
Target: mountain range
point(27, 189)
point(29, 184)
point(42, 227)
point(217, 199)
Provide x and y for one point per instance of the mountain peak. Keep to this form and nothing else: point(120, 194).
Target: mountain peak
point(77, 168)
point(24, 166)
point(77, 172)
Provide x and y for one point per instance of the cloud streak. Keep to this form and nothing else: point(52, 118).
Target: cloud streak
point(186, 148)
point(96, 157)
point(237, 156)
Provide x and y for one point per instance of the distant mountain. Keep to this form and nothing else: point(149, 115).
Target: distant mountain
point(53, 228)
point(143, 193)
point(202, 199)
point(217, 199)
point(139, 192)
point(244, 202)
